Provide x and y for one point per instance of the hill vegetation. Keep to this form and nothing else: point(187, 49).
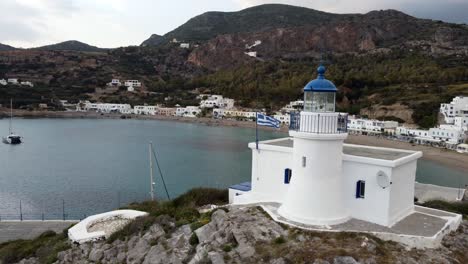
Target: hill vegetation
point(4, 47)
point(71, 45)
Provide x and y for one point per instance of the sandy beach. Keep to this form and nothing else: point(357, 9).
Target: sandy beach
point(439, 155)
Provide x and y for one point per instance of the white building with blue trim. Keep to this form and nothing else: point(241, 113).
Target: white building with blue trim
point(312, 180)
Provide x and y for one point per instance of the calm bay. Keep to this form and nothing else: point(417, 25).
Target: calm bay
point(79, 167)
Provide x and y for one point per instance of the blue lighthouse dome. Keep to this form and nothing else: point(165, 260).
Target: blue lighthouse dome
point(320, 84)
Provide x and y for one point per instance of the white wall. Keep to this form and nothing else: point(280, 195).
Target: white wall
point(268, 173)
point(402, 191)
point(374, 206)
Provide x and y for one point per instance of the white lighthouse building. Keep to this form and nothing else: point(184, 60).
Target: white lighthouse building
point(313, 180)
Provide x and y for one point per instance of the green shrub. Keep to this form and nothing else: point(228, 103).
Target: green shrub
point(194, 239)
point(202, 196)
point(279, 240)
point(227, 248)
point(45, 247)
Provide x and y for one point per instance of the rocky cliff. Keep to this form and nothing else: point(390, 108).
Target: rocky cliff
point(248, 235)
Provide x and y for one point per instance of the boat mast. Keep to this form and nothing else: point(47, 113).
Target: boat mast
point(11, 114)
point(151, 170)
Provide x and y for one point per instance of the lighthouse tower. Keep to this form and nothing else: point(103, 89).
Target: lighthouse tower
point(315, 195)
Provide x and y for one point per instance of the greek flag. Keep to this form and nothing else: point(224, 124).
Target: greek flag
point(264, 120)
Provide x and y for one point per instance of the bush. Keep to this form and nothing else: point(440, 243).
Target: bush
point(194, 240)
point(202, 196)
point(45, 247)
point(182, 209)
point(227, 248)
point(279, 240)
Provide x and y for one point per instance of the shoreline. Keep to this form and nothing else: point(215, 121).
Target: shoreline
point(440, 156)
point(4, 113)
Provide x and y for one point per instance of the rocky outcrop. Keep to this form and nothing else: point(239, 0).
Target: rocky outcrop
point(248, 235)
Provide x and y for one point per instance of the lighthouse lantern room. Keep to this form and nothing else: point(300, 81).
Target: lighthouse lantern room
point(320, 94)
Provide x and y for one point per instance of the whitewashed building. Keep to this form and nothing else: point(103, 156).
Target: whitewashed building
point(3, 82)
point(461, 122)
point(189, 111)
point(369, 126)
point(449, 134)
point(27, 83)
point(145, 110)
point(293, 106)
point(224, 113)
point(185, 45)
point(313, 180)
point(114, 82)
point(216, 101)
point(13, 81)
point(458, 107)
point(87, 106)
point(132, 83)
point(285, 119)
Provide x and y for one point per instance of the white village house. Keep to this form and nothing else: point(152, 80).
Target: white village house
point(458, 107)
point(132, 83)
point(145, 110)
point(104, 107)
point(369, 126)
point(312, 180)
point(189, 111)
point(216, 101)
point(3, 82)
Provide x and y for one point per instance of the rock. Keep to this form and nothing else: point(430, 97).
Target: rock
point(96, 254)
point(278, 261)
point(29, 261)
point(344, 260)
point(321, 261)
point(154, 233)
point(215, 258)
point(137, 249)
point(156, 255)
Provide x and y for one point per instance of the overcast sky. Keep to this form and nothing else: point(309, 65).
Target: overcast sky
point(114, 23)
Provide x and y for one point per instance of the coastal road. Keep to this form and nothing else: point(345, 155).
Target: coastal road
point(29, 229)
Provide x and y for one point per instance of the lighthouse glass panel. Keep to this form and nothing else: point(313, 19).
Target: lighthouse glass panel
point(319, 101)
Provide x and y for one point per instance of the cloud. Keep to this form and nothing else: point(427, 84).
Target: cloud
point(112, 23)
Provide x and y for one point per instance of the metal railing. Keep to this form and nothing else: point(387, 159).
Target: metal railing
point(319, 124)
point(67, 208)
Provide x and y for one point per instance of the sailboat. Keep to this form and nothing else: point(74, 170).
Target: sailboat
point(12, 138)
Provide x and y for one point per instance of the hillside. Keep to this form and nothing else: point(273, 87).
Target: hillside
point(71, 45)
point(154, 40)
point(4, 47)
point(386, 64)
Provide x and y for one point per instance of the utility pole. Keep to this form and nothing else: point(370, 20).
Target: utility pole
point(151, 170)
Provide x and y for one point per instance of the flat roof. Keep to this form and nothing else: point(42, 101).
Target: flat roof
point(354, 150)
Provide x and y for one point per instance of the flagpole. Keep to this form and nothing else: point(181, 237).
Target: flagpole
point(256, 128)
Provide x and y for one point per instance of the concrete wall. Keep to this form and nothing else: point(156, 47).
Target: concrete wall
point(402, 191)
point(374, 206)
point(268, 173)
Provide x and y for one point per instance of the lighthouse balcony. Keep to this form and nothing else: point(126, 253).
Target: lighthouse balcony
point(319, 123)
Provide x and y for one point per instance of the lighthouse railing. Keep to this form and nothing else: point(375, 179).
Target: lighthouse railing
point(325, 123)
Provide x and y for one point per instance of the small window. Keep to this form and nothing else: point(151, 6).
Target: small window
point(304, 162)
point(287, 176)
point(360, 189)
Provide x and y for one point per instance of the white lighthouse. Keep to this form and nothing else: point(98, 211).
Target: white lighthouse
point(313, 180)
point(315, 194)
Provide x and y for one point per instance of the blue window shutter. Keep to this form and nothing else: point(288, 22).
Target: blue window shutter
point(286, 176)
point(358, 189)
